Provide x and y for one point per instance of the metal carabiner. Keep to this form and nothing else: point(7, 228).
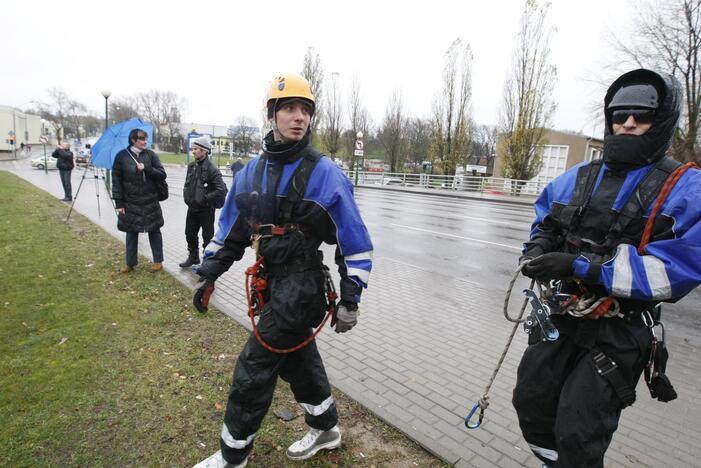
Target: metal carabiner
point(471, 414)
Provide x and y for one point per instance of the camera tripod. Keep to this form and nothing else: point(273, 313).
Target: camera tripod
point(97, 174)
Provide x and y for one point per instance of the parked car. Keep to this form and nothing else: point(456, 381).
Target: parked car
point(83, 157)
point(392, 181)
point(40, 162)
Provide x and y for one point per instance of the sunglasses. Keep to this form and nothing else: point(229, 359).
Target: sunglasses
point(641, 116)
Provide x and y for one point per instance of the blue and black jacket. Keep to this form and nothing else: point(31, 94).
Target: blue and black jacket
point(327, 213)
point(670, 266)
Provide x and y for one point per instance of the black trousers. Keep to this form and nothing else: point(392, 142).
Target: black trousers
point(66, 182)
point(566, 410)
point(255, 377)
point(155, 239)
point(195, 220)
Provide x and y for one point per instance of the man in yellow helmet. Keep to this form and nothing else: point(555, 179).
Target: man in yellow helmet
point(290, 199)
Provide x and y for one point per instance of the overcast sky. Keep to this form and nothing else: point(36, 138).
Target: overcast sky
point(221, 55)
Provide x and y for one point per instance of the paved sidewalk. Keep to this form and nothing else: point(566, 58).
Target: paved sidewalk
point(420, 357)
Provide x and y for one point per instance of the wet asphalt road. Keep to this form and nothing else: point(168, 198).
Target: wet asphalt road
point(476, 241)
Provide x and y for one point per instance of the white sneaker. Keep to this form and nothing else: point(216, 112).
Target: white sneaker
point(217, 461)
point(313, 441)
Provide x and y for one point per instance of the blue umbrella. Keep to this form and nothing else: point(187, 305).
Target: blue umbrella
point(115, 139)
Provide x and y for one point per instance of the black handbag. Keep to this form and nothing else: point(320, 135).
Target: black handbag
point(162, 189)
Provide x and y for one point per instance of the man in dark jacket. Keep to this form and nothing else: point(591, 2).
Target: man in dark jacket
point(65, 165)
point(204, 191)
point(288, 200)
point(588, 237)
point(135, 172)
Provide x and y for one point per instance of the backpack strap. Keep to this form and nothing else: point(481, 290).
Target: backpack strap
point(583, 188)
point(643, 196)
point(298, 187)
point(258, 175)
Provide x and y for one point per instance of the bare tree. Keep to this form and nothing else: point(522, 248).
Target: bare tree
point(242, 135)
point(484, 146)
point(527, 104)
point(332, 116)
point(392, 134)
point(57, 111)
point(418, 136)
point(451, 109)
point(312, 71)
point(163, 110)
point(123, 108)
point(668, 38)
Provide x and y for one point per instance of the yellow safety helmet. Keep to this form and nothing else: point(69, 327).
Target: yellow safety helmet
point(286, 87)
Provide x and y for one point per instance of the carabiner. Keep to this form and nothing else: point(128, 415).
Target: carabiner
point(472, 413)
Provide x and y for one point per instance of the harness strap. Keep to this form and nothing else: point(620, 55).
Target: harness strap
point(645, 193)
point(583, 188)
point(609, 370)
point(298, 187)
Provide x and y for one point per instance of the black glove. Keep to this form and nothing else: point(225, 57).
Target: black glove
point(201, 293)
point(346, 316)
point(531, 253)
point(553, 265)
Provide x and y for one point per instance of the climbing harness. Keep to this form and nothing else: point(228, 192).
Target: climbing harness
point(658, 183)
point(257, 284)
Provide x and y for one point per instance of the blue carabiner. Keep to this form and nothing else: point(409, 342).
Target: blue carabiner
point(472, 413)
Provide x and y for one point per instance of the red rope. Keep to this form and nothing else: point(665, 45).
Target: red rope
point(260, 285)
point(661, 198)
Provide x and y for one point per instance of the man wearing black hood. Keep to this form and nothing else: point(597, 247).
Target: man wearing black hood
point(288, 200)
point(587, 239)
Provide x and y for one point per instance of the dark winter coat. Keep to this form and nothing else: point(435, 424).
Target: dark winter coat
point(65, 159)
point(204, 187)
point(135, 191)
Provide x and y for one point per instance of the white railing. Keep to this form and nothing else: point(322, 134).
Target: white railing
point(464, 183)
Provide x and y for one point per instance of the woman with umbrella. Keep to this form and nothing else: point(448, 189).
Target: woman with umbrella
point(135, 173)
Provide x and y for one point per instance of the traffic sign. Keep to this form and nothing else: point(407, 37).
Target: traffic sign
point(43, 139)
point(359, 145)
point(358, 152)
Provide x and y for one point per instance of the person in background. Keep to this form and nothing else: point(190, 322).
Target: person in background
point(204, 191)
point(135, 172)
point(65, 165)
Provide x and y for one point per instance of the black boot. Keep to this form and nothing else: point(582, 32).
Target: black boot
point(192, 259)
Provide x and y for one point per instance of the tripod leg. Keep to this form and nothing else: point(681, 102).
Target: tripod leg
point(97, 190)
point(75, 198)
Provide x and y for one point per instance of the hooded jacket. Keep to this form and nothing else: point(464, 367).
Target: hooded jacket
point(671, 264)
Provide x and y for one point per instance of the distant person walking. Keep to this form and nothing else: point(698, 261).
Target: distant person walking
point(204, 192)
point(65, 165)
point(135, 172)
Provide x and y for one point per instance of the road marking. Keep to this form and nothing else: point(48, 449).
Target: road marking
point(445, 234)
point(410, 265)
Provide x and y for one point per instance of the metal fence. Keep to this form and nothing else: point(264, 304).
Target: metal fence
point(464, 183)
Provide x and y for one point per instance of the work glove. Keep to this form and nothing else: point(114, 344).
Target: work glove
point(549, 266)
point(530, 254)
point(201, 293)
point(346, 316)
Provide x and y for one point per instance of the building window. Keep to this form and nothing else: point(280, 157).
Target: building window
point(554, 161)
point(594, 153)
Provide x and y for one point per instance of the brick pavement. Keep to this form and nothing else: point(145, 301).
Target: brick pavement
point(420, 357)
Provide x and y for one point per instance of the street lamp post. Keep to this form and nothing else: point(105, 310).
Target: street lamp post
point(106, 93)
point(43, 143)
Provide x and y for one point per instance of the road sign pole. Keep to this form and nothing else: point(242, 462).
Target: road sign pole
point(358, 153)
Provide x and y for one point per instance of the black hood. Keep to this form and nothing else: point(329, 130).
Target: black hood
point(284, 152)
point(626, 152)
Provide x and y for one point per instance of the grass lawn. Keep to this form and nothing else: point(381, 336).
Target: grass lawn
point(98, 368)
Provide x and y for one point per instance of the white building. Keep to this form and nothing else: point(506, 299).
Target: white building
point(20, 127)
